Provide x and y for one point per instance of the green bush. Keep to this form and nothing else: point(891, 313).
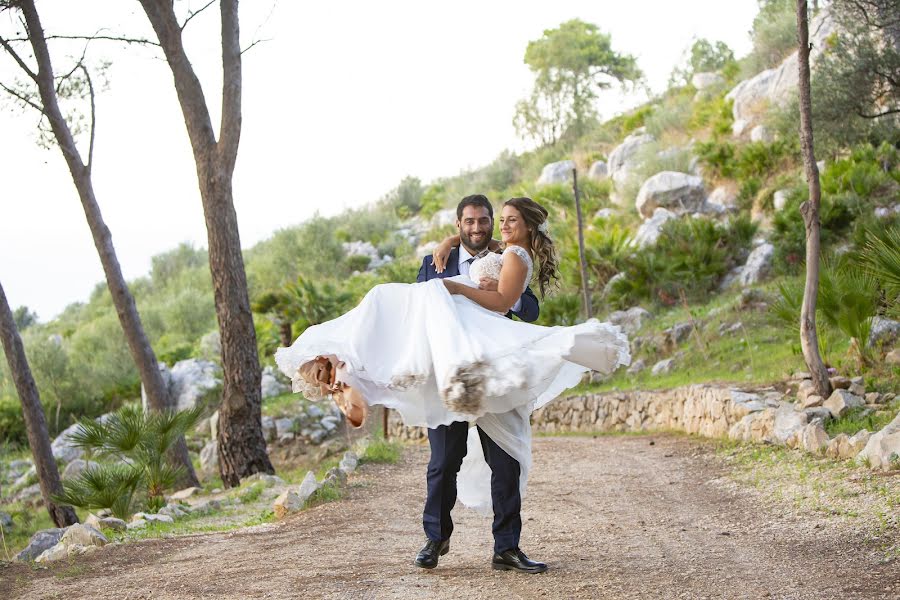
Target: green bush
point(358, 262)
point(690, 258)
point(12, 424)
point(730, 160)
point(774, 36)
point(560, 309)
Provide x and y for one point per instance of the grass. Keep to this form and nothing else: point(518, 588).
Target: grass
point(381, 451)
point(284, 405)
point(858, 419)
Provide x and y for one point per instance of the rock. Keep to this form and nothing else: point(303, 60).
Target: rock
point(636, 367)
point(214, 426)
point(598, 171)
point(28, 495)
point(779, 199)
point(649, 231)
point(136, 524)
point(873, 398)
point(813, 438)
point(266, 479)
point(777, 86)
point(893, 357)
point(270, 385)
point(206, 507)
point(334, 476)
point(841, 401)
point(857, 389)
point(41, 541)
point(81, 534)
point(152, 518)
point(425, 249)
point(188, 381)
point(882, 450)
point(788, 425)
point(607, 289)
point(185, 493)
point(604, 213)
point(349, 463)
point(6, 521)
point(101, 523)
point(812, 401)
point(621, 161)
point(663, 367)
point(174, 511)
point(286, 503)
point(804, 390)
point(630, 320)
point(211, 346)
point(884, 331)
point(443, 218)
point(839, 382)
point(284, 427)
point(63, 448)
point(856, 443)
point(209, 459)
point(678, 192)
point(308, 487)
point(675, 335)
point(268, 427)
point(558, 172)
point(724, 195)
point(817, 412)
point(702, 81)
point(761, 133)
point(76, 467)
point(758, 265)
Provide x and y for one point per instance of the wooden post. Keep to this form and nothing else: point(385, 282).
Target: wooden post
point(588, 311)
point(384, 421)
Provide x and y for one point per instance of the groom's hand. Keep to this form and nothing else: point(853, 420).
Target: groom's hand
point(486, 283)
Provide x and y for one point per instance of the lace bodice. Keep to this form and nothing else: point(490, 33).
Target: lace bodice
point(489, 266)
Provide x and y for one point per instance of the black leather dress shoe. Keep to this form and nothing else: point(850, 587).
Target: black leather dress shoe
point(427, 558)
point(515, 560)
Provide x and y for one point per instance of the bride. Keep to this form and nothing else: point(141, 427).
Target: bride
point(442, 351)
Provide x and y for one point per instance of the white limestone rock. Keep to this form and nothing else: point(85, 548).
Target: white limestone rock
point(779, 200)
point(443, 218)
point(841, 401)
point(271, 385)
point(209, 459)
point(63, 448)
point(724, 196)
point(40, 542)
point(557, 172)
point(287, 503)
point(630, 320)
point(678, 192)
point(598, 171)
point(884, 331)
point(663, 367)
point(649, 231)
point(814, 438)
point(882, 450)
point(703, 81)
point(758, 265)
point(621, 161)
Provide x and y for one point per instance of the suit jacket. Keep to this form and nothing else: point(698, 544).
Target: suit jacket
point(528, 311)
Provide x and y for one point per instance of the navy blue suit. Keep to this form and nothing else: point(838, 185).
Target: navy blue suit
point(448, 448)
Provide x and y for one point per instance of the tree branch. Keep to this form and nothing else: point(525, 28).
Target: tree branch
point(24, 99)
point(890, 111)
point(230, 127)
point(90, 157)
point(106, 38)
point(255, 42)
point(11, 51)
point(191, 15)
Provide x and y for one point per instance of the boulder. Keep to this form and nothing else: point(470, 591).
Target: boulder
point(349, 462)
point(101, 523)
point(788, 425)
point(812, 401)
point(264, 478)
point(675, 335)
point(284, 428)
point(630, 320)
point(841, 401)
point(761, 133)
point(778, 85)
point(268, 427)
point(152, 518)
point(188, 381)
point(40, 542)
point(175, 511)
point(678, 192)
point(893, 357)
point(63, 448)
point(76, 467)
point(271, 385)
point(425, 249)
point(185, 493)
point(209, 459)
point(702, 81)
point(817, 412)
point(839, 382)
point(557, 172)
point(30, 494)
point(813, 437)
point(444, 218)
point(758, 265)
point(663, 367)
point(636, 367)
point(882, 450)
point(621, 161)
point(6, 521)
point(805, 389)
point(598, 171)
point(211, 346)
point(884, 331)
point(724, 195)
point(308, 487)
point(649, 231)
point(288, 502)
point(81, 534)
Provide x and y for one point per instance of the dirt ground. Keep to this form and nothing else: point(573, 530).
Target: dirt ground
point(615, 517)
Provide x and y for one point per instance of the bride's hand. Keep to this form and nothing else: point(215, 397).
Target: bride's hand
point(441, 254)
point(486, 283)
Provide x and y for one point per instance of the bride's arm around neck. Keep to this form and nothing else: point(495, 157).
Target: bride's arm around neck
point(509, 288)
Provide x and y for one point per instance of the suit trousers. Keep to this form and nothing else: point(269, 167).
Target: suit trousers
point(448, 447)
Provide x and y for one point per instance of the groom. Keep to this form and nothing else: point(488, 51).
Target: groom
point(475, 221)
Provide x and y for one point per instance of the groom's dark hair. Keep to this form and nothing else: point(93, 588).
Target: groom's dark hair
point(474, 200)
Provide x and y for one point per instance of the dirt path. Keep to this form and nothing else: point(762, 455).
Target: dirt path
point(615, 517)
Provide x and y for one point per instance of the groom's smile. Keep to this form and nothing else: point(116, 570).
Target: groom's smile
point(475, 228)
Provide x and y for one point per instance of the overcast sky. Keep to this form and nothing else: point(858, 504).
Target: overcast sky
point(341, 102)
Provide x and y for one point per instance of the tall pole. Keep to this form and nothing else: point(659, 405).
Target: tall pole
point(588, 312)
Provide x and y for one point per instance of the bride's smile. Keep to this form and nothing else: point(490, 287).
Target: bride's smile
point(513, 229)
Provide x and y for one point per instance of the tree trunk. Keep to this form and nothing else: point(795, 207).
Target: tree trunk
point(810, 209)
point(33, 412)
point(585, 287)
point(138, 344)
point(242, 447)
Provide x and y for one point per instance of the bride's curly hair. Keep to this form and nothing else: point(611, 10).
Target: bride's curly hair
point(542, 246)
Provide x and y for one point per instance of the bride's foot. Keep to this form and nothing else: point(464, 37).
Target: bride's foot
point(352, 404)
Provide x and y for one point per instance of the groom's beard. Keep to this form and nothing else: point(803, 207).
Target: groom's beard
point(474, 246)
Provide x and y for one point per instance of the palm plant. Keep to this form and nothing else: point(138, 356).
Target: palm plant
point(848, 301)
point(139, 444)
point(881, 258)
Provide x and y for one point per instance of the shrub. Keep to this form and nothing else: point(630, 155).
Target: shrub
point(774, 36)
point(560, 309)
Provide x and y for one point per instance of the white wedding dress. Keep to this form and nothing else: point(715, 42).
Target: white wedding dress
point(437, 358)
